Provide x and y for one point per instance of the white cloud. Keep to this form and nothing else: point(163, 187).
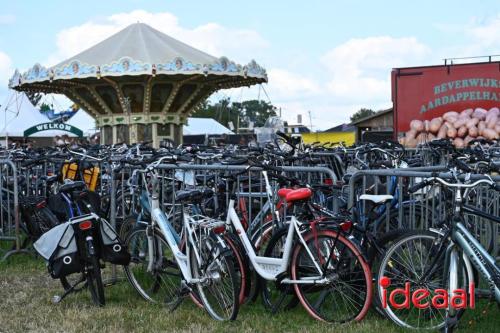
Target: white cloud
point(484, 36)
point(360, 68)
point(289, 84)
point(6, 70)
point(487, 33)
point(213, 38)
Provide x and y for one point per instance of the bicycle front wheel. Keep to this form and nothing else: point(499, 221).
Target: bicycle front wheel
point(342, 291)
point(415, 258)
point(218, 288)
point(156, 275)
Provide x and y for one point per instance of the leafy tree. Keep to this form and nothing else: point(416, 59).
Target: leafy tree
point(362, 113)
point(45, 107)
point(224, 111)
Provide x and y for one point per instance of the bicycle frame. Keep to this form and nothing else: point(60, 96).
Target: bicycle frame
point(473, 249)
point(183, 260)
point(268, 267)
point(158, 217)
point(479, 257)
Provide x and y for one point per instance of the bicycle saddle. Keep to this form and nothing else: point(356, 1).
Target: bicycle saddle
point(50, 179)
point(282, 192)
point(298, 194)
point(73, 186)
point(204, 178)
point(192, 195)
point(376, 198)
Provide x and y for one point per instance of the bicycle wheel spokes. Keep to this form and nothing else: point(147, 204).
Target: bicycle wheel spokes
point(409, 260)
point(163, 283)
point(346, 290)
point(219, 288)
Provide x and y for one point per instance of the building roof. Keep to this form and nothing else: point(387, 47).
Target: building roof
point(209, 126)
point(341, 128)
point(377, 114)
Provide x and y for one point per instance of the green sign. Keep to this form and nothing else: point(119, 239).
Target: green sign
point(53, 126)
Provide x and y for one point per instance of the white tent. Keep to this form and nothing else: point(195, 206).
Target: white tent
point(19, 114)
point(83, 121)
point(209, 126)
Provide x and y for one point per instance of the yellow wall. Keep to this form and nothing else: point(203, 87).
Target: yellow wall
point(348, 137)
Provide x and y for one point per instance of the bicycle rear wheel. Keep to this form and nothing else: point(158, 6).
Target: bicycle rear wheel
point(276, 295)
point(94, 281)
point(219, 290)
point(346, 293)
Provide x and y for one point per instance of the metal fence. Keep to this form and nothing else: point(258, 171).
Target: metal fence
point(427, 207)
point(247, 184)
point(9, 209)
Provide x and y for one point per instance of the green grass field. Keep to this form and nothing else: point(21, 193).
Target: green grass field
point(26, 290)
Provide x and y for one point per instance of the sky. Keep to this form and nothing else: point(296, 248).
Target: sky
point(328, 57)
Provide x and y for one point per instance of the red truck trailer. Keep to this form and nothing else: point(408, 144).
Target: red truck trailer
point(429, 92)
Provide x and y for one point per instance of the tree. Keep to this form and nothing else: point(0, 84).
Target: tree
point(224, 111)
point(362, 113)
point(254, 110)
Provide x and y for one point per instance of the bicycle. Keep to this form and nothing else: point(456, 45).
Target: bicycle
point(159, 265)
point(315, 261)
point(441, 258)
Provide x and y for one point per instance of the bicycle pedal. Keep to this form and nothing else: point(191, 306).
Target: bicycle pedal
point(185, 290)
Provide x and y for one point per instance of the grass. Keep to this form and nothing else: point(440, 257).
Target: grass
point(26, 290)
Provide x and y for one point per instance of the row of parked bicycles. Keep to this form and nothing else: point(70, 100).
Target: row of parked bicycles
point(338, 230)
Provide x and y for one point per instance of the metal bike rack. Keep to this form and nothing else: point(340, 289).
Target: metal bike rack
point(423, 203)
point(9, 208)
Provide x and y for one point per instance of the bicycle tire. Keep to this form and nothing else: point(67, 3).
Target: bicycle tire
point(164, 283)
point(217, 264)
point(242, 271)
point(351, 267)
point(275, 295)
point(94, 281)
point(388, 264)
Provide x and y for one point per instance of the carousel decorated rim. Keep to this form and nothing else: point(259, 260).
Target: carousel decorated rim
point(76, 69)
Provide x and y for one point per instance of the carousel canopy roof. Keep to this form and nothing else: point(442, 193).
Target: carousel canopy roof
point(142, 43)
point(138, 70)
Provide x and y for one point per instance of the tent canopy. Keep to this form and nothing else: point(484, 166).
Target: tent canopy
point(198, 126)
point(21, 115)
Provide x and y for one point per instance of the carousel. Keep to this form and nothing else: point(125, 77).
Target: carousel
point(138, 84)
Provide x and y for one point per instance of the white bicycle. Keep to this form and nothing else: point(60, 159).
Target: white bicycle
point(165, 266)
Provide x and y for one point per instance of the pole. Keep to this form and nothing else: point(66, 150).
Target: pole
point(310, 120)
point(5, 129)
point(238, 124)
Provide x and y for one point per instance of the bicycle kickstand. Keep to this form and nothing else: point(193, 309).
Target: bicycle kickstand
point(58, 299)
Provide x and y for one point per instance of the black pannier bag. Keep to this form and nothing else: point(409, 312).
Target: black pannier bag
point(112, 248)
point(58, 247)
